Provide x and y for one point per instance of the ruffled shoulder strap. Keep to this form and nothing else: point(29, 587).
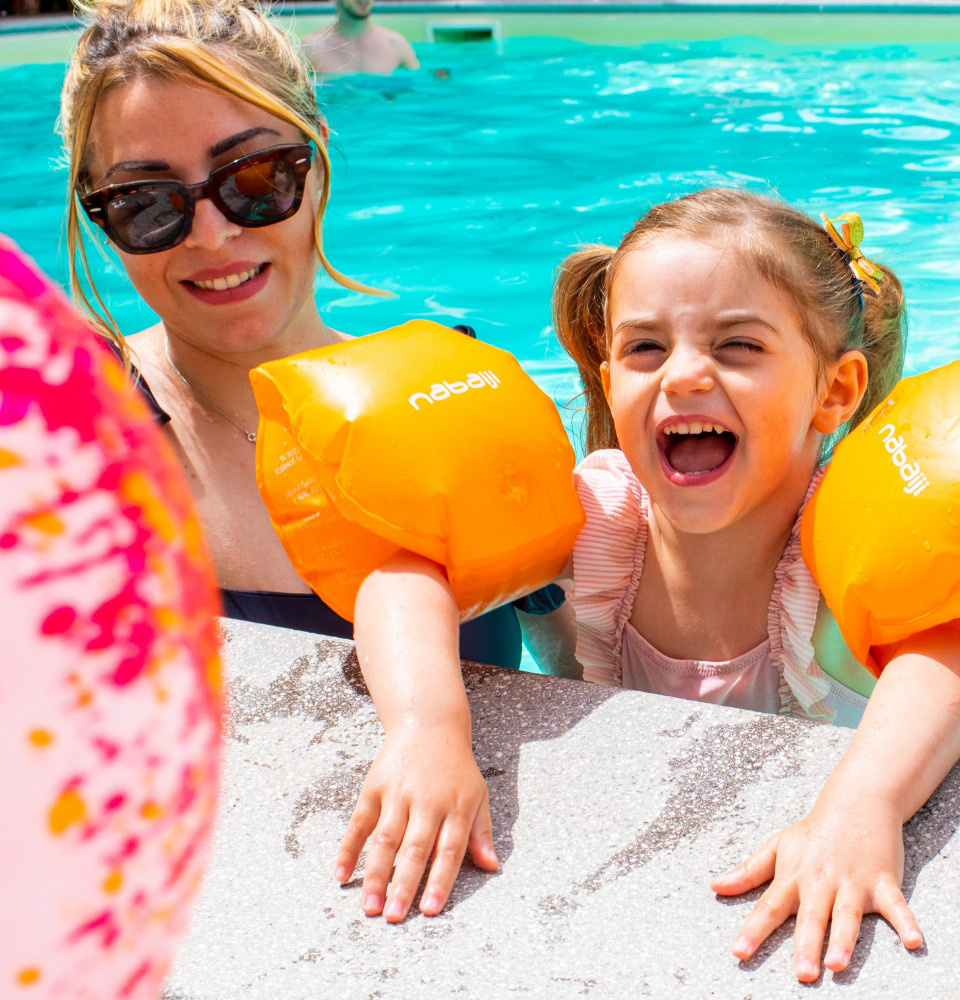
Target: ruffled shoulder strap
point(607, 560)
point(791, 618)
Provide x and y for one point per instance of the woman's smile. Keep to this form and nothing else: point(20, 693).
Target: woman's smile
point(259, 281)
point(230, 283)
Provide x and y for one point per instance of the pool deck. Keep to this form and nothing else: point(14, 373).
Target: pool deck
point(611, 809)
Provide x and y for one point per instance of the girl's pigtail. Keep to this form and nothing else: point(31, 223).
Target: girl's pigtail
point(884, 341)
point(579, 319)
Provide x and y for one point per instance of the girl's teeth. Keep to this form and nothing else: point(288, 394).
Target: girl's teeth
point(230, 281)
point(695, 427)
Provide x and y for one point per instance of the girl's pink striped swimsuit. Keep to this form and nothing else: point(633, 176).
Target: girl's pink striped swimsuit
point(780, 675)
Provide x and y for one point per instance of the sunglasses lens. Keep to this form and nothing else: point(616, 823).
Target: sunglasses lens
point(147, 217)
point(261, 192)
point(146, 220)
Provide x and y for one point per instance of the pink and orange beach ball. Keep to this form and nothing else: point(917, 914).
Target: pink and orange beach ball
point(110, 700)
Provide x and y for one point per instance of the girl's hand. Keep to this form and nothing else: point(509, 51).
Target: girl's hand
point(846, 857)
point(423, 795)
point(842, 860)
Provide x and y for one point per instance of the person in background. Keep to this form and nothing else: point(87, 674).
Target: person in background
point(354, 44)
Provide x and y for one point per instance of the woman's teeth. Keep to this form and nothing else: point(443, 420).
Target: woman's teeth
point(694, 427)
point(230, 281)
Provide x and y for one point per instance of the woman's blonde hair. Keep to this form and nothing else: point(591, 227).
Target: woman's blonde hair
point(785, 247)
point(231, 45)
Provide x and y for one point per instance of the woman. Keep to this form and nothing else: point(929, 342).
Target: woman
point(197, 146)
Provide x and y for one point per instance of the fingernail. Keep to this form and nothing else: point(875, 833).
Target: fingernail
point(805, 968)
point(341, 873)
point(837, 957)
point(394, 909)
point(371, 904)
point(432, 904)
point(741, 946)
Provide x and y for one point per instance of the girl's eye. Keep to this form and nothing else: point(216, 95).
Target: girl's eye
point(742, 345)
point(642, 347)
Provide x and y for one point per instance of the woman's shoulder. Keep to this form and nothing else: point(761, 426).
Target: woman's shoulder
point(140, 384)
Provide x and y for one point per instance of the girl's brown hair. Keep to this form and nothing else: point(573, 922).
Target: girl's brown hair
point(786, 247)
point(230, 45)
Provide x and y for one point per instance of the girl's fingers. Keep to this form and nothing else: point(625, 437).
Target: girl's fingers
point(844, 931)
point(889, 902)
point(481, 838)
point(756, 870)
point(363, 820)
point(384, 844)
point(412, 858)
point(451, 846)
point(813, 914)
point(771, 909)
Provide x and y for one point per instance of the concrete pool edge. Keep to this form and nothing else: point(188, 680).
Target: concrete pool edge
point(610, 809)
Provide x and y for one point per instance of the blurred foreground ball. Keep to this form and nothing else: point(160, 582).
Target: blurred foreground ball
point(109, 674)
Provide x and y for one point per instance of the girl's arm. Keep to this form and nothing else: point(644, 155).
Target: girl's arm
point(845, 858)
point(424, 793)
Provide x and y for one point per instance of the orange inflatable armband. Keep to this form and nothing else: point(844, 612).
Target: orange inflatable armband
point(415, 438)
point(881, 534)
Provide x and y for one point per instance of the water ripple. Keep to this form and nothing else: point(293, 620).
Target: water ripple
point(464, 194)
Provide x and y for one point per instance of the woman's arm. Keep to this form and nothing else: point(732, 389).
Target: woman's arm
point(424, 793)
point(552, 638)
point(552, 641)
point(845, 858)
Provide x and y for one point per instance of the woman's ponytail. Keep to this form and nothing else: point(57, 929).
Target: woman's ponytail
point(579, 319)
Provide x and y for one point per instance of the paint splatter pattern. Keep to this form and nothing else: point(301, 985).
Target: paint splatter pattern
point(110, 697)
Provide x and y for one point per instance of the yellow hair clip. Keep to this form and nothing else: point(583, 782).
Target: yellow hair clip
point(848, 238)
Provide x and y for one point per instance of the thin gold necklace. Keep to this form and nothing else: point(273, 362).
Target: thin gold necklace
point(251, 436)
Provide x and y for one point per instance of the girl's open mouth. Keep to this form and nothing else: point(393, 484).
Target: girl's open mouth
point(695, 452)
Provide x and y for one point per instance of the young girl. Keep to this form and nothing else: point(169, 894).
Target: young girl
point(722, 347)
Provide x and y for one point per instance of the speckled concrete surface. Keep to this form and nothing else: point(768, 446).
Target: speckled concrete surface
point(611, 809)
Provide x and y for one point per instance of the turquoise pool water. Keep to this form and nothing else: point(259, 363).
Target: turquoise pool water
point(462, 195)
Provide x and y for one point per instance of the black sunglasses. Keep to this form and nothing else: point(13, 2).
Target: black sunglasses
point(150, 216)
